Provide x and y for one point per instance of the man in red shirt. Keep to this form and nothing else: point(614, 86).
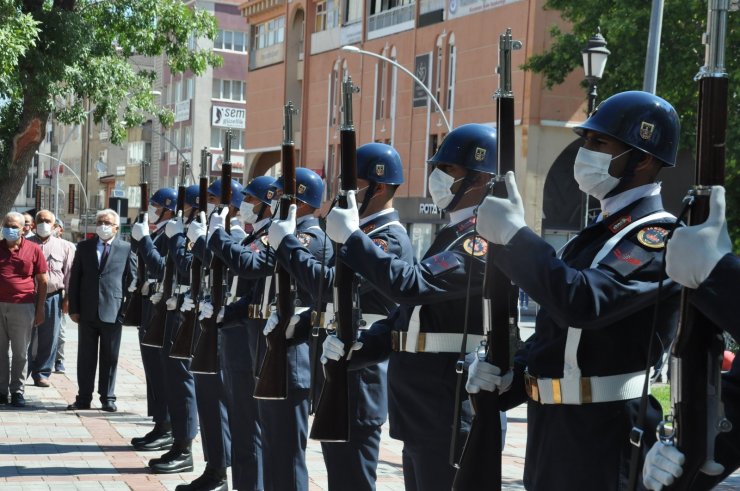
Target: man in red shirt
point(23, 282)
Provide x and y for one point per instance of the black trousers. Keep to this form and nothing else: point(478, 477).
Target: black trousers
point(90, 336)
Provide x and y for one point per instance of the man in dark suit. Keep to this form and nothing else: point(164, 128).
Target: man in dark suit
point(103, 265)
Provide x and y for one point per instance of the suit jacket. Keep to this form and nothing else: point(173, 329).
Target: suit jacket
point(95, 294)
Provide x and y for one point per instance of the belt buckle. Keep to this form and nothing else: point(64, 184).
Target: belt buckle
point(530, 385)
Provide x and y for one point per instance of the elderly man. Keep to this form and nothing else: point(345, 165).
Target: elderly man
point(58, 231)
point(22, 298)
point(27, 226)
point(43, 347)
point(101, 271)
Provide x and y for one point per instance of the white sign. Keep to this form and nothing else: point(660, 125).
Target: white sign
point(182, 111)
point(460, 8)
point(43, 181)
point(229, 117)
point(237, 162)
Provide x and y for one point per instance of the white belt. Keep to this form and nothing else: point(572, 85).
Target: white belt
point(587, 389)
point(433, 342)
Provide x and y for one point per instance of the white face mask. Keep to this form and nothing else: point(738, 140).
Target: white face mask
point(246, 211)
point(152, 215)
point(440, 184)
point(43, 230)
point(210, 207)
point(105, 232)
point(591, 171)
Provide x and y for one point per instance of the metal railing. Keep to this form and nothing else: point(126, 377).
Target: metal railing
point(391, 17)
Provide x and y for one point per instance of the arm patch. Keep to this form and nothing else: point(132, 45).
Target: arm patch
point(627, 258)
point(441, 263)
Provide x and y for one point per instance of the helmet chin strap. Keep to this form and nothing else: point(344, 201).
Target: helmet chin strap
point(369, 193)
point(467, 182)
point(260, 214)
point(192, 214)
point(635, 157)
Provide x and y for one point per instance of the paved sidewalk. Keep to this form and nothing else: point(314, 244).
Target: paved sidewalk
point(45, 447)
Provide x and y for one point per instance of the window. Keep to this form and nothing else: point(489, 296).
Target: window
point(327, 15)
point(384, 89)
point(230, 41)
point(230, 90)
point(218, 138)
point(176, 93)
point(187, 137)
point(451, 59)
point(335, 94)
point(176, 138)
point(269, 33)
point(438, 69)
point(189, 90)
point(352, 11)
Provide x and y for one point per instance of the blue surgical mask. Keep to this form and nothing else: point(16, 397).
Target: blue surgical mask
point(11, 234)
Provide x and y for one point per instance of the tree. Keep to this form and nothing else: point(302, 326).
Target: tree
point(625, 25)
point(64, 55)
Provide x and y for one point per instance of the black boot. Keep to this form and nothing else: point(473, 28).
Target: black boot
point(212, 479)
point(160, 438)
point(178, 459)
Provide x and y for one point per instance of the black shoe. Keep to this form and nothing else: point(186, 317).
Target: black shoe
point(154, 440)
point(109, 406)
point(77, 406)
point(212, 479)
point(3, 398)
point(178, 459)
point(17, 400)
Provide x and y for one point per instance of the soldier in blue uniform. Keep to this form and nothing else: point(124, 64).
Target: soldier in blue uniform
point(700, 257)
point(584, 368)
point(178, 388)
point(352, 465)
point(161, 209)
point(424, 335)
point(284, 422)
point(209, 393)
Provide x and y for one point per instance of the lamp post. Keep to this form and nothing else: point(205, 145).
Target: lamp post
point(594, 55)
point(83, 213)
point(355, 49)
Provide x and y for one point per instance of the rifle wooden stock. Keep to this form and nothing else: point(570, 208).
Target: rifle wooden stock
point(205, 358)
point(132, 317)
point(480, 463)
point(272, 381)
point(182, 346)
point(696, 356)
point(332, 418)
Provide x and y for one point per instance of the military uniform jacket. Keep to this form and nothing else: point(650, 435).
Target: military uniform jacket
point(367, 388)
point(421, 386)
point(256, 261)
point(610, 307)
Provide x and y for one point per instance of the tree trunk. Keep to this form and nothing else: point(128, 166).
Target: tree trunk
point(17, 159)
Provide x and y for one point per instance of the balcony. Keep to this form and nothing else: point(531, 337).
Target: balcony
point(255, 7)
point(391, 21)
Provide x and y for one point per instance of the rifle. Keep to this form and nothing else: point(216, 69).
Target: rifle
point(133, 307)
point(332, 420)
point(182, 346)
point(697, 414)
point(155, 334)
point(480, 463)
point(205, 359)
point(272, 381)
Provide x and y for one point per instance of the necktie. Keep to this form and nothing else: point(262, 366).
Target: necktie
point(104, 255)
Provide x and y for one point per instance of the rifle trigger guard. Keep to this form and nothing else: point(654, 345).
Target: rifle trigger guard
point(460, 366)
point(315, 331)
point(636, 436)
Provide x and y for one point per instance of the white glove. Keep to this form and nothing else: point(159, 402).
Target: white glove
point(171, 302)
point(220, 316)
point(155, 298)
point(499, 219)
point(662, 465)
point(147, 286)
point(273, 320)
point(237, 232)
point(693, 252)
point(333, 349)
point(279, 229)
point(483, 375)
point(197, 228)
point(139, 230)
point(187, 304)
point(175, 226)
point(132, 286)
point(206, 310)
point(218, 220)
point(341, 223)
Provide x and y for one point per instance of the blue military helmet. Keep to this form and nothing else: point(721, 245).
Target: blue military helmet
point(309, 187)
point(262, 188)
point(236, 191)
point(378, 162)
point(164, 197)
point(191, 195)
point(639, 119)
point(472, 146)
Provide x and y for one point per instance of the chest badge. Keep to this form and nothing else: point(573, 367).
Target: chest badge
point(476, 246)
point(383, 245)
point(304, 239)
point(653, 237)
point(620, 224)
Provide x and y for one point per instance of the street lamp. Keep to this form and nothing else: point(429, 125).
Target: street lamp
point(595, 55)
point(355, 49)
point(83, 213)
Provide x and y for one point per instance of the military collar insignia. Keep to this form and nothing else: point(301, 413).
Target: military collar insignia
point(476, 246)
point(465, 224)
point(368, 228)
point(653, 237)
point(646, 130)
point(620, 223)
